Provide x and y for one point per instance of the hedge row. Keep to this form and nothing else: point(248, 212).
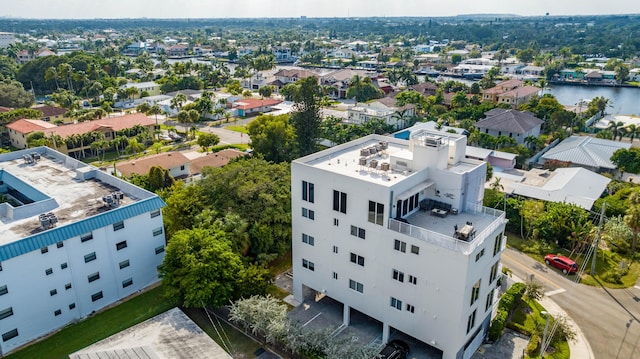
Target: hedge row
point(509, 299)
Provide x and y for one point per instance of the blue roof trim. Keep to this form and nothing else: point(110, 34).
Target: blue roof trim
point(79, 228)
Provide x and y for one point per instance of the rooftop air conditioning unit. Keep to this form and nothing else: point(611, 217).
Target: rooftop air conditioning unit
point(362, 161)
point(373, 164)
point(384, 166)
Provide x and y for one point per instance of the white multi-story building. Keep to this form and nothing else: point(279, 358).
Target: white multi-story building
point(73, 240)
point(395, 229)
point(6, 39)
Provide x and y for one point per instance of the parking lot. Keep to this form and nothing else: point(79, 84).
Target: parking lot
point(327, 313)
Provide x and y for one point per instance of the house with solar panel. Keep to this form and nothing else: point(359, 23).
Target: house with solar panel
point(73, 240)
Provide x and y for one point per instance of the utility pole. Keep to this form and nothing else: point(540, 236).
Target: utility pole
point(595, 251)
point(543, 347)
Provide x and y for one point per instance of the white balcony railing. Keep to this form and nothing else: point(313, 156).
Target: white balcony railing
point(449, 242)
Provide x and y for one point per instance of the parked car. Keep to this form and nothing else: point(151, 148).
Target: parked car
point(395, 349)
point(563, 263)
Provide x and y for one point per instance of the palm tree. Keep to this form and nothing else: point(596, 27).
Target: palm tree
point(401, 117)
point(179, 100)
point(52, 74)
point(616, 128)
point(496, 185)
point(133, 146)
point(633, 131)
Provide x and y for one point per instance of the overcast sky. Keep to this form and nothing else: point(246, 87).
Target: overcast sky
point(73, 9)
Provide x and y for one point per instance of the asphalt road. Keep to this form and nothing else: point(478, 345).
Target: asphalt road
point(608, 318)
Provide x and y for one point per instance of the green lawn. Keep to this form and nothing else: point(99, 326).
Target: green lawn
point(527, 315)
point(100, 326)
point(605, 264)
point(237, 128)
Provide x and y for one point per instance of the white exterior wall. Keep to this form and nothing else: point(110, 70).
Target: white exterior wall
point(445, 278)
point(29, 287)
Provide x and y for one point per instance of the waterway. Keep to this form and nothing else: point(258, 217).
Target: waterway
point(623, 100)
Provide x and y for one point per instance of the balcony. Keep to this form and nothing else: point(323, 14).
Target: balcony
point(440, 231)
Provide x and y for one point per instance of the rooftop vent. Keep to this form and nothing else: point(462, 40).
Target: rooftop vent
point(362, 161)
point(384, 145)
point(384, 166)
point(373, 164)
point(48, 220)
point(113, 199)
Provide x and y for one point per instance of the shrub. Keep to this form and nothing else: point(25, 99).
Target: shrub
point(497, 325)
point(533, 347)
point(512, 296)
point(519, 328)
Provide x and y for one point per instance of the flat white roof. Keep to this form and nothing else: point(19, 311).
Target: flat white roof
point(168, 335)
point(344, 159)
point(52, 184)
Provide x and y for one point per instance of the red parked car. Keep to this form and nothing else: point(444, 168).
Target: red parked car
point(563, 263)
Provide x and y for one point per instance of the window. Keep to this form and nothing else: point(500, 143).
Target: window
point(90, 257)
point(67, 286)
point(340, 201)
point(57, 312)
point(471, 321)
point(44, 250)
point(308, 239)
point(127, 282)
point(358, 232)
point(48, 271)
point(64, 265)
point(93, 277)
point(53, 292)
point(121, 245)
point(415, 249)
point(96, 296)
point(411, 308)
point(6, 313)
point(0, 266)
point(475, 292)
point(308, 213)
point(124, 264)
point(308, 193)
point(498, 244)
point(489, 302)
point(336, 222)
point(159, 249)
point(376, 212)
point(335, 249)
point(60, 244)
point(86, 237)
point(118, 226)
point(155, 213)
point(3, 290)
point(400, 246)
point(157, 231)
point(480, 254)
point(182, 168)
point(397, 275)
point(413, 280)
point(72, 306)
point(9, 335)
point(335, 275)
point(359, 260)
point(494, 272)
point(308, 264)
point(396, 303)
point(357, 286)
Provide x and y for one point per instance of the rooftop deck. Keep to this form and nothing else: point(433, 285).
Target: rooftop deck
point(440, 231)
point(57, 184)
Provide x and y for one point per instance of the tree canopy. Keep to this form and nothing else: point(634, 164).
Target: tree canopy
point(273, 137)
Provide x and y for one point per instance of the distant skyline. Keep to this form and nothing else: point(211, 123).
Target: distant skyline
point(90, 9)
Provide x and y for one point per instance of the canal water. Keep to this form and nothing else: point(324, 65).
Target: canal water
point(623, 100)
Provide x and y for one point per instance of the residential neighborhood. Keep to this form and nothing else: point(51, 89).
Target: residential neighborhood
point(455, 187)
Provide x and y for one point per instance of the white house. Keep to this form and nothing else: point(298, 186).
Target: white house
point(74, 240)
point(384, 109)
point(395, 229)
point(6, 39)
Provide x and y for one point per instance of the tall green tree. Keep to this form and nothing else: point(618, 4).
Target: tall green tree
point(12, 94)
point(200, 268)
point(273, 137)
point(306, 117)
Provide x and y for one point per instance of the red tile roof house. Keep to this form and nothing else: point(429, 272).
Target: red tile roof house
point(175, 162)
point(20, 129)
point(254, 106)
